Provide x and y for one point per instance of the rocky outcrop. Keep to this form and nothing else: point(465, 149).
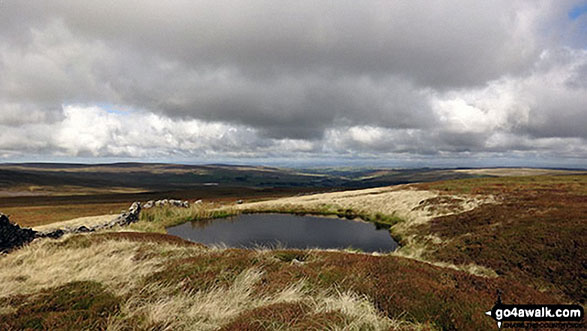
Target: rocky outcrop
point(13, 236)
point(124, 219)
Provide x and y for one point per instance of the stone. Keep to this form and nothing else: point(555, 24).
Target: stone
point(81, 229)
point(55, 234)
point(135, 208)
point(13, 236)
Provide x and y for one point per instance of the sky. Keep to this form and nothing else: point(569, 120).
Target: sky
point(306, 82)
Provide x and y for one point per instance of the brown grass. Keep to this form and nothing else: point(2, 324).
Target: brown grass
point(535, 235)
point(158, 282)
point(31, 216)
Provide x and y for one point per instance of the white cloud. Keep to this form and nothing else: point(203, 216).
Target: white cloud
point(211, 79)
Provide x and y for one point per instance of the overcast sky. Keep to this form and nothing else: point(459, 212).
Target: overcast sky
point(453, 83)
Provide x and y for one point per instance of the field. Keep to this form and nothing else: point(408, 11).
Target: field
point(461, 241)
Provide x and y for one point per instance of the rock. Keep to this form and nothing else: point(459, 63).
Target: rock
point(135, 208)
point(13, 236)
point(81, 229)
point(55, 234)
point(239, 202)
point(129, 217)
point(166, 202)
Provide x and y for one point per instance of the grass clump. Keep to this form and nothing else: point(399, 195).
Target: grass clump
point(148, 281)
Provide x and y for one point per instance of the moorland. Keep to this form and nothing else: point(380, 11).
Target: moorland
point(464, 235)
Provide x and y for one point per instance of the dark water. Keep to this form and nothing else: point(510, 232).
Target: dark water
point(285, 230)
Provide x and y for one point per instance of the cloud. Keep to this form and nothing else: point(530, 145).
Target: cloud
point(257, 79)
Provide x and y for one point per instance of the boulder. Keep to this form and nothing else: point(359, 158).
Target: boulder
point(129, 217)
point(13, 236)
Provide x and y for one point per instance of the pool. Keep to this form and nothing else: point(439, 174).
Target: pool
point(288, 231)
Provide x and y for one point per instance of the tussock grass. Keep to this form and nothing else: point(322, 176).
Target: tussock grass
point(156, 305)
point(154, 281)
point(49, 263)
point(122, 266)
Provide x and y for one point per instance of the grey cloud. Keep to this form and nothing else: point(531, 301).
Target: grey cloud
point(420, 77)
point(436, 43)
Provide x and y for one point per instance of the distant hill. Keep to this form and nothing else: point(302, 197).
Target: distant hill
point(71, 178)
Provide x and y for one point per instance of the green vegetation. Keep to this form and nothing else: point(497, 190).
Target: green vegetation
point(159, 218)
point(328, 210)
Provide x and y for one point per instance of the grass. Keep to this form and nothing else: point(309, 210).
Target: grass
point(159, 218)
point(155, 281)
point(85, 305)
point(528, 245)
point(39, 215)
point(534, 235)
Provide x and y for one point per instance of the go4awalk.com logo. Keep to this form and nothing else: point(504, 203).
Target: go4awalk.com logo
point(536, 316)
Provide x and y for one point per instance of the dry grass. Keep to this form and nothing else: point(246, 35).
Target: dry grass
point(400, 201)
point(33, 216)
point(158, 305)
point(122, 266)
point(47, 263)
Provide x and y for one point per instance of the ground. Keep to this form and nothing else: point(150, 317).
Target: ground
point(462, 241)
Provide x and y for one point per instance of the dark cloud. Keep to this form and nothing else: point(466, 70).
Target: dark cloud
point(420, 77)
